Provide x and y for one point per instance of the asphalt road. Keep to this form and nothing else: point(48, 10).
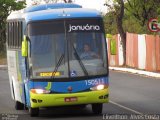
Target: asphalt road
point(129, 95)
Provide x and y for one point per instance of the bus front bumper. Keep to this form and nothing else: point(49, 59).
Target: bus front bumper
point(49, 100)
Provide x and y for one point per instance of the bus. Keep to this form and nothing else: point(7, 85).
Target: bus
point(57, 56)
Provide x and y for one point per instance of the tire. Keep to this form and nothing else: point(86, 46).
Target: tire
point(33, 112)
point(97, 108)
point(25, 107)
point(19, 106)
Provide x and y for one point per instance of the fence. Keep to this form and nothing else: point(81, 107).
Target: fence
point(142, 51)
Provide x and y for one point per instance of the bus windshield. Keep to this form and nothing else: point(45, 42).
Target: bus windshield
point(67, 48)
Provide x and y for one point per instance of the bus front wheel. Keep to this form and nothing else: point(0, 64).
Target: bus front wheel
point(97, 108)
point(33, 111)
point(19, 106)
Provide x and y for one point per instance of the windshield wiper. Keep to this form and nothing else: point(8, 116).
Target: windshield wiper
point(80, 62)
point(60, 61)
point(57, 66)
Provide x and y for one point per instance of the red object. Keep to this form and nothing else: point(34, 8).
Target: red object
point(132, 50)
point(70, 99)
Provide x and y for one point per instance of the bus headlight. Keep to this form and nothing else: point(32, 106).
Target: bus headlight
point(98, 87)
point(40, 91)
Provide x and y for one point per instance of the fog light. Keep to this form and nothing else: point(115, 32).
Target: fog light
point(39, 101)
point(40, 91)
point(34, 100)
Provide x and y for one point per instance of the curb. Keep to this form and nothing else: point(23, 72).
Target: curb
point(3, 66)
point(134, 71)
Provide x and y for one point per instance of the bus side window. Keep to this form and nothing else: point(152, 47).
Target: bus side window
point(16, 40)
point(11, 35)
point(20, 36)
point(14, 35)
point(7, 34)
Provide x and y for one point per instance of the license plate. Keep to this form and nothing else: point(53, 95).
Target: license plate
point(70, 99)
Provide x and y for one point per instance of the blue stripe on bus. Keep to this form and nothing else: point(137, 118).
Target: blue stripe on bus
point(77, 86)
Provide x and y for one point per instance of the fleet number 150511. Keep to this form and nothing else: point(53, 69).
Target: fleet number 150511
point(94, 82)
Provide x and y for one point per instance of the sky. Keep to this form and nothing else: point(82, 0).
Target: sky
point(94, 4)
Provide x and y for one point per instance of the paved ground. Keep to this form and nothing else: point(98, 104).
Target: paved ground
point(129, 95)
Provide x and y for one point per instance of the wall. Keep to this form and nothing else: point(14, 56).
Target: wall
point(142, 52)
point(115, 60)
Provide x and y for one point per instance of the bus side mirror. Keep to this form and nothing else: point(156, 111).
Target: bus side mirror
point(24, 47)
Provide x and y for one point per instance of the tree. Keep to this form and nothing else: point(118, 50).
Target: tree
point(52, 1)
point(130, 16)
point(6, 7)
point(37, 2)
point(110, 23)
point(142, 10)
point(55, 1)
point(117, 9)
point(68, 1)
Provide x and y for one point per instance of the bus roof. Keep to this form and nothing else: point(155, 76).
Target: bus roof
point(51, 6)
point(53, 11)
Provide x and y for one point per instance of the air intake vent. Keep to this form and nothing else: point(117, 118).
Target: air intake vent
point(51, 6)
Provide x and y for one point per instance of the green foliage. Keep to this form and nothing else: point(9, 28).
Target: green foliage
point(132, 25)
point(113, 47)
point(113, 19)
point(136, 16)
point(6, 7)
point(142, 10)
point(110, 23)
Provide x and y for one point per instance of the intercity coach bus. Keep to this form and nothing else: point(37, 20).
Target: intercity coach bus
point(57, 56)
